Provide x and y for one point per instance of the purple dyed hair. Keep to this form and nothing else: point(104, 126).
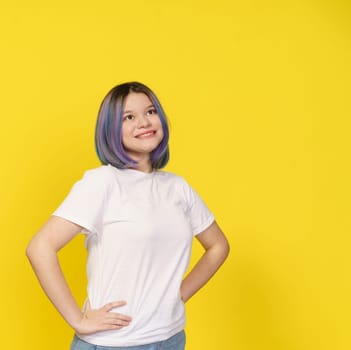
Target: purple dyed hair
point(108, 131)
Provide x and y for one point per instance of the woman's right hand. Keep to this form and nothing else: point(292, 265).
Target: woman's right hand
point(97, 320)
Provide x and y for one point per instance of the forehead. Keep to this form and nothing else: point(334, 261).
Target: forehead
point(136, 101)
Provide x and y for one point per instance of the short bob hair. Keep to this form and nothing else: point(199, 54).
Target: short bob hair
point(108, 131)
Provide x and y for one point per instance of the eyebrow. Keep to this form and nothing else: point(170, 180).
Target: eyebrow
point(125, 112)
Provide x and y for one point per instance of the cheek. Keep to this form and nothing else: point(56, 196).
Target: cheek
point(126, 131)
point(160, 129)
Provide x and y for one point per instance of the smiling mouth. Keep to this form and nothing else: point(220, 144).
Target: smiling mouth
point(147, 134)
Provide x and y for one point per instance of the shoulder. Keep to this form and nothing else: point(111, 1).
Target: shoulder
point(101, 172)
point(171, 177)
point(177, 182)
point(102, 176)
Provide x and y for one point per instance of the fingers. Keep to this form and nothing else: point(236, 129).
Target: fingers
point(112, 305)
point(117, 322)
point(103, 319)
point(115, 316)
point(111, 327)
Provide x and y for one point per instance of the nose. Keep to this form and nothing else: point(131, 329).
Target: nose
point(143, 121)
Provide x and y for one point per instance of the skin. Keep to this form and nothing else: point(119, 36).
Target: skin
point(141, 129)
point(141, 133)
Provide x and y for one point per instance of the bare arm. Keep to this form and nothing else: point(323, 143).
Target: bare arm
point(216, 251)
point(42, 254)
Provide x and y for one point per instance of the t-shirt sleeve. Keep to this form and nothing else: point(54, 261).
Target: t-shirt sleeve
point(199, 215)
point(85, 203)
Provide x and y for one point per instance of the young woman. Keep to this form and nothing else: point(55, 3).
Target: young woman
point(139, 224)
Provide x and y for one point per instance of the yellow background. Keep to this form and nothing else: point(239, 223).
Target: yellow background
point(258, 96)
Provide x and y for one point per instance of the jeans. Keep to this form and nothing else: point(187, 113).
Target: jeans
point(176, 342)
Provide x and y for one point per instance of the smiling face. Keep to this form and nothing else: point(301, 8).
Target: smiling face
point(141, 126)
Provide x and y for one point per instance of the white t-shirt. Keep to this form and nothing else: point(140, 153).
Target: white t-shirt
point(139, 230)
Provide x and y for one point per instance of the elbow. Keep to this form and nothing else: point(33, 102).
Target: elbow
point(40, 249)
point(36, 248)
point(221, 250)
point(30, 250)
point(225, 249)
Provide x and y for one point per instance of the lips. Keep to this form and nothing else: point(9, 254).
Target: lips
point(146, 134)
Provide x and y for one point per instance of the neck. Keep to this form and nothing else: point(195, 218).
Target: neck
point(145, 168)
point(144, 164)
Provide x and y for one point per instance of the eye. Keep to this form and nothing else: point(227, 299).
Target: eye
point(151, 111)
point(128, 117)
